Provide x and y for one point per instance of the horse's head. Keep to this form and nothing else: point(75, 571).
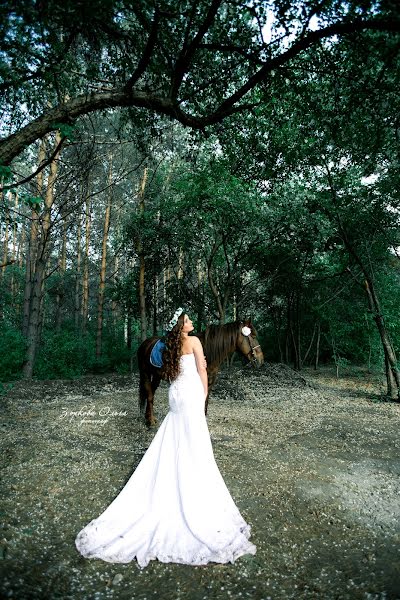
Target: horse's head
point(248, 344)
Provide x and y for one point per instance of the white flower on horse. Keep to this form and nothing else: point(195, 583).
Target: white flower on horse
point(246, 331)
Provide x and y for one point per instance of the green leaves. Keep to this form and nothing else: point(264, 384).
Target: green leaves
point(32, 201)
point(5, 174)
point(66, 130)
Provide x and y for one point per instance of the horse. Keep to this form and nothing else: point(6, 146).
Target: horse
point(218, 341)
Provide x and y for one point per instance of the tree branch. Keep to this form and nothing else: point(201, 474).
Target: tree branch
point(118, 97)
point(8, 262)
point(232, 48)
point(148, 51)
point(40, 168)
point(187, 52)
point(302, 44)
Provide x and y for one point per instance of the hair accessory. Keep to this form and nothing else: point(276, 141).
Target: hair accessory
point(246, 331)
point(174, 319)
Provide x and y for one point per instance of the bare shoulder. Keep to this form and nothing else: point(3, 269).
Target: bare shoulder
point(195, 343)
point(198, 352)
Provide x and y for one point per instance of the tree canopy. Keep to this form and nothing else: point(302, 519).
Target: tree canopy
point(196, 62)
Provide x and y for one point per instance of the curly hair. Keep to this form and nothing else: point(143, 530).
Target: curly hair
point(173, 351)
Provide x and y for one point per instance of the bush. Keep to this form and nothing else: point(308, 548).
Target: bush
point(64, 354)
point(100, 364)
point(12, 353)
point(116, 352)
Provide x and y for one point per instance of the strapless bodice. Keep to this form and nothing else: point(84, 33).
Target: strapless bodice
point(188, 364)
point(186, 392)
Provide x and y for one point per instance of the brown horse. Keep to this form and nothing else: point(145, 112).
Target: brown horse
point(219, 342)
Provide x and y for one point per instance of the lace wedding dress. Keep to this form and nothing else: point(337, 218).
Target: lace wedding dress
point(176, 506)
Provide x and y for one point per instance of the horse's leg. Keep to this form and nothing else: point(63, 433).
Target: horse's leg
point(212, 375)
point(206, 406)
point(150, 418)
point(146, 395)
point(155, 382)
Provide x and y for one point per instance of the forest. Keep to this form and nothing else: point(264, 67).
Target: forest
point(240, 159)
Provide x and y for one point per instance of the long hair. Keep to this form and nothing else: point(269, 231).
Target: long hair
point(173, 351)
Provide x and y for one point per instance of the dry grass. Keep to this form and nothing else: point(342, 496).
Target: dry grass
point(311, 461)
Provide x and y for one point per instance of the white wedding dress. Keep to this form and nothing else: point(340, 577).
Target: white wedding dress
point(175, 507)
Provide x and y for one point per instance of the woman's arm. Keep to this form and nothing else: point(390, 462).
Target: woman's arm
point(200, 362)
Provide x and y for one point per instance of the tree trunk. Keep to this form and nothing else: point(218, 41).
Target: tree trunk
point(294, 325)
point(42, 306)
point(181, 263)
point(6, 234)
point(43, 254)
point(142, 264)
point(155, 304)
point(114, 304)
point(21, 242)
point(77, 303)
point(289, 329)
point(234, 309)
point(164, 293)
point(31, 254)
point(310, 344)
point(317, 347)
point(296, 361)
point(275, 320)
point(30, 269)
point(213, 285)
point(200, 295)
point(392, 372)
point(13, 285)
point(390, 380)
point(85, 279)
point(103, 268)
point(129, 329)
point(142, 298)
point(129, 338)
point(62, 266)
point(34, 318)
point(298, 330)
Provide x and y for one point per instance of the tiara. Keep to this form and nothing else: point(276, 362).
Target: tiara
point(174, 319)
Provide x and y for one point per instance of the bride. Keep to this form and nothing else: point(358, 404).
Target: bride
point(175, 507)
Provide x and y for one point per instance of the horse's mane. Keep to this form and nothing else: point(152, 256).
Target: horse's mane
point(219, 340)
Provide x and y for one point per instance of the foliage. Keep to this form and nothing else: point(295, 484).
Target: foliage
point(64, 355)
point(193, 62)
point(68, 354)
point(12, 353)
point(279, 212)
point(5, 174)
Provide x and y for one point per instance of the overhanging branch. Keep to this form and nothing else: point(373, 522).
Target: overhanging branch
point(148, 51)
point(170, 105)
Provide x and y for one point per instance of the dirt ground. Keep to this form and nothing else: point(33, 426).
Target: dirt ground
point(313, 463)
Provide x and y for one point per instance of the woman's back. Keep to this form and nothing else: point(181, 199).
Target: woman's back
point(186, 392)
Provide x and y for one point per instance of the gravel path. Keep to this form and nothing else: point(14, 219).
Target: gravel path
point(312, 462)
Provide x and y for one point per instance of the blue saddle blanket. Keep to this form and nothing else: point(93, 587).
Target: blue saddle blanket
point(156, 354)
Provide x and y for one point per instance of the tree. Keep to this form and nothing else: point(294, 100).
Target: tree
point(335, 124)
point(193, 62)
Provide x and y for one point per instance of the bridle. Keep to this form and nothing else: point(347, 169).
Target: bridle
point(251, 351)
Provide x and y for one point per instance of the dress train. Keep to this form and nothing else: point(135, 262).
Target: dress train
point(175, 507)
